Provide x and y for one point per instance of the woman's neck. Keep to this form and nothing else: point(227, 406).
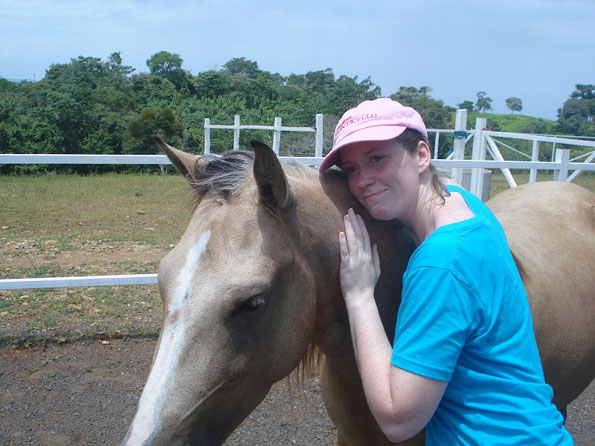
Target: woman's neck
point(434, 211)
point(422, 221)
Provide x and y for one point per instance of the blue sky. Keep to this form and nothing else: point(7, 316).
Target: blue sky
point(536, 50)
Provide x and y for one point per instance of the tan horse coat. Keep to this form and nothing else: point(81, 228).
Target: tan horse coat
point(279, 233)
point(550, 227)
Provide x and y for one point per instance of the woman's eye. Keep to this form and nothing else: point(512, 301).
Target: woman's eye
point(377, 158)
point(348, 170)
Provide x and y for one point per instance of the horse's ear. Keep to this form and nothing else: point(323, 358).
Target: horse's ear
point(186, 164)
point(274, 190)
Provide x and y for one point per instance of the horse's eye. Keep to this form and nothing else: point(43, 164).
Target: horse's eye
point(252, 304)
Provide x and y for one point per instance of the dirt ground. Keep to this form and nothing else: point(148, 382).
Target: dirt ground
point(85, 393)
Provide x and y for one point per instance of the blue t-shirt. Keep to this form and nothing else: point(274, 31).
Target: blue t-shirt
point(464, 318)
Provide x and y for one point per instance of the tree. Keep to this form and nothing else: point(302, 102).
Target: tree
point(242, 66)
point(576, 117)
point(483, 103)
point(210, 84)
point(115, 59)
point(115, 64)
point(433, 111)
point(150, 122)
point(514, 104)
point(169, 66)
point(164, 62)
point(468, 105)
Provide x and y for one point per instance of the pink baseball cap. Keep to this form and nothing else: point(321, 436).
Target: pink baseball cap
point(377, 120)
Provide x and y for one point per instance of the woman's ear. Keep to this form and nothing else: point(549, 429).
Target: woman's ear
point(424, 156)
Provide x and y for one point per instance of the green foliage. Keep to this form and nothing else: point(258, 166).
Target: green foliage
point(240, 66)
point(435, 114)
point(164, 62)
point(141, 129)
point(514, 104)
point(169, 66)
point(95, 106)
point(577, 115)
point(468, 105)
point(483, 103)
point(512, 123)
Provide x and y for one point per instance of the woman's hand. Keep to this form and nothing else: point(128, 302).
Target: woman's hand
point(360, 265)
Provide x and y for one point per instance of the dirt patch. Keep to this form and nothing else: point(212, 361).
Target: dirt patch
point(25, 253)
point(85, 393)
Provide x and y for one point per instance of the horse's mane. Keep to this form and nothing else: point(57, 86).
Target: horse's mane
point(226, 173)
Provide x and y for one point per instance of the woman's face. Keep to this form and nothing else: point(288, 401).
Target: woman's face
point(384, 177)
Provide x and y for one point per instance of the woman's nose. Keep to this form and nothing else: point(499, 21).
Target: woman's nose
point(365, 178)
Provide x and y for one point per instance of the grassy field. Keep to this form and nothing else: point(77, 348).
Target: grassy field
point(498, 182)
point(64, 225)
point(515, 123)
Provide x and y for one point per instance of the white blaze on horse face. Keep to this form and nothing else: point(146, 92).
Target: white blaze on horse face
point(146, 423)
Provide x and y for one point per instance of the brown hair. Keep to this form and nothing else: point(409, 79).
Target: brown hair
point(410, 139)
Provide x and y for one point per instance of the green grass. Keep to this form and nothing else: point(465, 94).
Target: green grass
point(117, 207)
point(499, 183)
point(69, 313)
point(48, 223)
point(63, 225)
point(514, 123)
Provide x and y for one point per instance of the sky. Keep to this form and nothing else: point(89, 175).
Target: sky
point(536, 50)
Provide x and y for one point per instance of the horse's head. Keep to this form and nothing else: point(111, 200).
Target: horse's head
point(239, 296)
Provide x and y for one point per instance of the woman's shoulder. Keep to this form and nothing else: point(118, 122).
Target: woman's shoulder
point(453, 246)
point(454, 210)
point(437, 251)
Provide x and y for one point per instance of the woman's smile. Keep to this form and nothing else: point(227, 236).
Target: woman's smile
point(370, 197)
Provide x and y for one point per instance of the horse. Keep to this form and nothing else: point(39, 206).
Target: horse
point(251, 291)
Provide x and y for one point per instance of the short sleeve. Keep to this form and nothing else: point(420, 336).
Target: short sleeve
point(435, 319)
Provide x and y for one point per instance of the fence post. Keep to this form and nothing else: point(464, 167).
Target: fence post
point(207, 136)
point(478, 154)
point(319, 135)
point(534, 158)
point(459, 144)
point(562, 157)
point(236, 132)
point(276, 135)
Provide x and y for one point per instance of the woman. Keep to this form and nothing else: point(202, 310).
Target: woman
point(464, 363)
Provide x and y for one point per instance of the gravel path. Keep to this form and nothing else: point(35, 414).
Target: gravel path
point(85, 393)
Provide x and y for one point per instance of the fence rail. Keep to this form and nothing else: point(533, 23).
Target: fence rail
point(484, 142)
point(78, 281)
point(277, 128)
point(83, 159)
point(160, 160)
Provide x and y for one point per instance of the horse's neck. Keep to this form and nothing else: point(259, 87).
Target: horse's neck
point(325, 205)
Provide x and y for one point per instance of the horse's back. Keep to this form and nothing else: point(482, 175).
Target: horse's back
point(550, 227)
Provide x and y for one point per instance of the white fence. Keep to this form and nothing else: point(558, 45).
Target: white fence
point(488, 142)
point(277, 128)
point(484, 142)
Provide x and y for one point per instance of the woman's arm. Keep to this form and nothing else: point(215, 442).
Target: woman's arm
point(401, 402)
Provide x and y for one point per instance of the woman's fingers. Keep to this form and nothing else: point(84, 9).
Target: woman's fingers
point(365, 238)
point(356, 235)
point(376, 260)
point(360, 265)
point(350, 232)
point(343, 246)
